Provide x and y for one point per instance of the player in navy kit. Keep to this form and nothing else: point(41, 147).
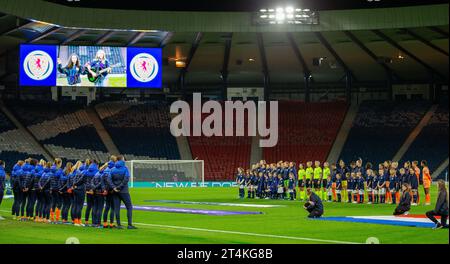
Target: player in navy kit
point(393, 185)
point(414, 182)
point(263, 184)
point(292, 169)
point(404, 176)
point(381, 186)
point(280, 187)
point(375, 196)
point(338, 187)
point(260, 185)
point(342, 169)
point(247, 183)
point(268, 185)
point(291, 186)
point(360, 187)
point(329, 188)
point(251, 179)
point(350, 186)
point(240, 181)
point(369, 182)
point(274, 186)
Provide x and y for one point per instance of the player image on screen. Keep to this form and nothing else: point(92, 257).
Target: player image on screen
point(91, 66)
point(73, 70)
point(98, 69)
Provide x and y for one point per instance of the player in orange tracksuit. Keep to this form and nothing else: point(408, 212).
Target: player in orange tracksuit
point(426, 181)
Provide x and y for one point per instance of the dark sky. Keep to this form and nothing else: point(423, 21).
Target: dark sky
point(240, 5)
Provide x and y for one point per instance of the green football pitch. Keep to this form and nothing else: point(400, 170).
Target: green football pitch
point(286, 224)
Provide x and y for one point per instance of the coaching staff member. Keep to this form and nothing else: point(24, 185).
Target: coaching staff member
point(314, 205)
point(119, 183)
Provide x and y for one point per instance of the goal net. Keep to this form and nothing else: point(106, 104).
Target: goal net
point(147, 171)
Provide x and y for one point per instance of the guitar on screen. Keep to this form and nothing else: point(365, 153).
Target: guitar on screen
point(93, 78)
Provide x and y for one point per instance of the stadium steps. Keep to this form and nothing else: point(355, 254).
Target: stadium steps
point(256, 153)
point(32, 139)
point(101, 131)
point(440, 169)
point(183, 146)
point(412, 136)
point(342, 135)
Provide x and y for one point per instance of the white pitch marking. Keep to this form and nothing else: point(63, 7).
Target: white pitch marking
point(249, 234)
point(220, 204)
point(244, 233)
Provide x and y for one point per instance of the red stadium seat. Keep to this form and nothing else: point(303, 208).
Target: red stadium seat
point(306, 131)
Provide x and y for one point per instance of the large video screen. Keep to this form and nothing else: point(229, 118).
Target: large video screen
point(91, 66)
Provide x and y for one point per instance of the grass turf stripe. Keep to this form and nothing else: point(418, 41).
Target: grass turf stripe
point(248, 234)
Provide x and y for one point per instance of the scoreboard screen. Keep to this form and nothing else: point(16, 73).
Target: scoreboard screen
point(96, 66)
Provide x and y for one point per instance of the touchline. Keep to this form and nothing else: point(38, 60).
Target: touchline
point(212, 125)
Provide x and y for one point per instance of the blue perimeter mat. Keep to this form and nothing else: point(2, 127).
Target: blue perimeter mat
point(378, 221)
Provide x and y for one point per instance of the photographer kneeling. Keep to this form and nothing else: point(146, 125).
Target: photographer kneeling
point(314, 205)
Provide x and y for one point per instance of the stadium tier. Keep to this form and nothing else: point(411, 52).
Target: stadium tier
point(65, 130)
point(5, 123)
point(380, 129)
point(222, 154)
point(14, 144)
point(306, 131)
point(432, 142)
point(140, 130)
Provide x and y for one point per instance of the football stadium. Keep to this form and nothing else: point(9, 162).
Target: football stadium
point(233, 122)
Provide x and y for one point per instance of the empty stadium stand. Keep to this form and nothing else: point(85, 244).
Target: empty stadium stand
point(306, 131)
point(380, 128)
point(5, 123)
point(222, 154)
point(432, 142)
point(65, 130)
point(140, 129)
point(14, 144)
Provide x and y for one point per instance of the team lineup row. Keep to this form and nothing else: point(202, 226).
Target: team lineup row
point(48, 192)
point(338, 182)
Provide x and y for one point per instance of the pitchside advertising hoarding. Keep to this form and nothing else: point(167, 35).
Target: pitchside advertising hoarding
point(91, 66)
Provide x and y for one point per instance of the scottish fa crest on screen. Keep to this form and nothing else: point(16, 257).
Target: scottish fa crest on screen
point(144, 67)
point(37, 65)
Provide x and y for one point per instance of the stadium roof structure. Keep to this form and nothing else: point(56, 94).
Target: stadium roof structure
point(398, 44)
point(241, 5)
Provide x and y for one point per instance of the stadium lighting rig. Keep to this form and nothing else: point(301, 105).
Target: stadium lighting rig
point(286, 15)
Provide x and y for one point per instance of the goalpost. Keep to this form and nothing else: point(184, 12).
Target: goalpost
point(145, 171)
